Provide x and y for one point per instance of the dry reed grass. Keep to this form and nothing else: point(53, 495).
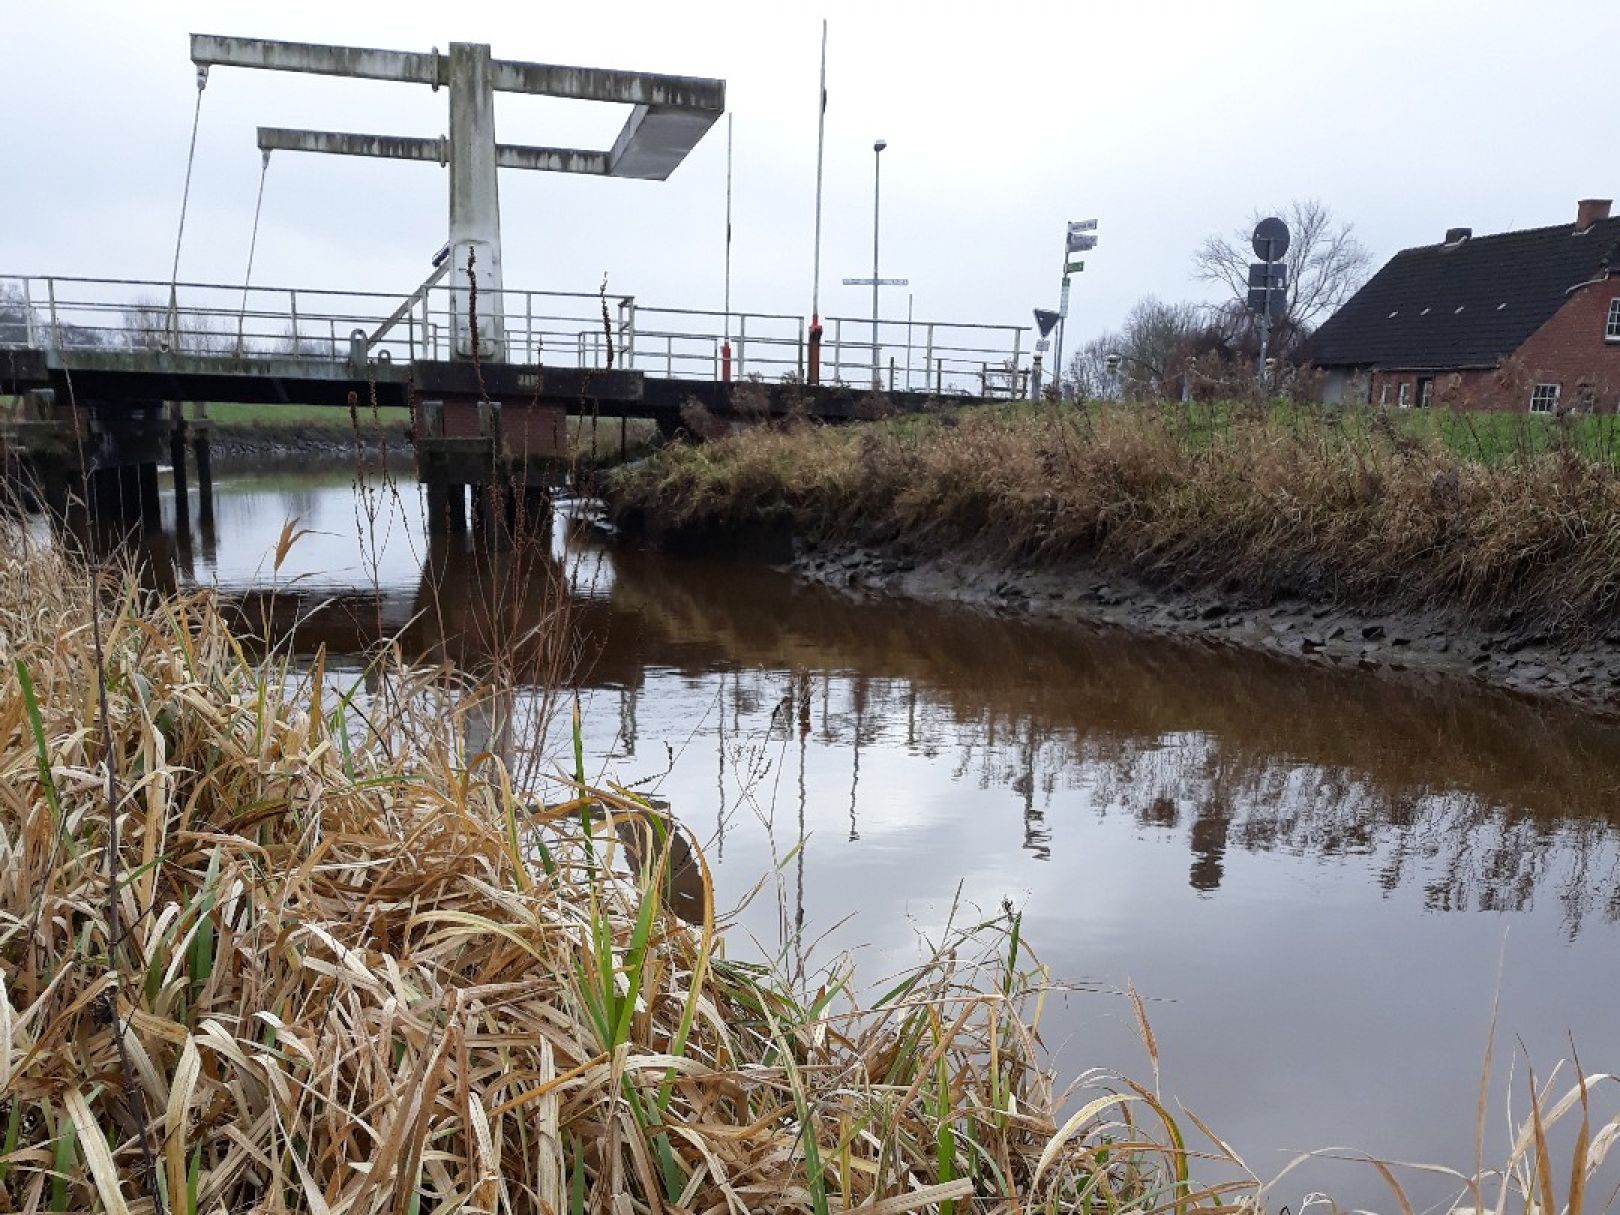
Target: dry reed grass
point(1274, 503)
point(326, 963)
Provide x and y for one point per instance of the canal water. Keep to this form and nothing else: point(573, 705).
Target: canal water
point(1319, 882)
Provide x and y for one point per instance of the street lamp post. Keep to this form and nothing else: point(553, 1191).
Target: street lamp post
point(877, 195)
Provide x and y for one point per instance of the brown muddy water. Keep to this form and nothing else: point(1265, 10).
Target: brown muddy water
point(1310, 876)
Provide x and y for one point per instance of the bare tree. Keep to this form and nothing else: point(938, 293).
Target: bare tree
point(15, 321)
point(1326, 263)
point(149, 324)
point(1088, 375)
point(1146, 353)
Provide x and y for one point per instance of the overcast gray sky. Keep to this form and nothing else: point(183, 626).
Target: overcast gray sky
point(1165, 121)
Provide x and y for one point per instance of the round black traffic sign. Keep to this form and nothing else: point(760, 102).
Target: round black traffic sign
point(1270, 238)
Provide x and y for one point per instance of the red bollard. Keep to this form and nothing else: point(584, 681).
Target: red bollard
point(813, 361)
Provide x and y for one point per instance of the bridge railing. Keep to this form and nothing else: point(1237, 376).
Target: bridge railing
point(581, 329)
point(926, 356)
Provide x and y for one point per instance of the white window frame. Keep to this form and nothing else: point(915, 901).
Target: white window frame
point(1547, 395)
point(1383, 396)
point(1611, 324)
point(1425, 394)
point(1404, 397)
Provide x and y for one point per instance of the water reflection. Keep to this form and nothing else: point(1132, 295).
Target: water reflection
point(1481, 799)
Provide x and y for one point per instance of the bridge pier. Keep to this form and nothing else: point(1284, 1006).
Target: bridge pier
point(177, 463)
point(205, 482)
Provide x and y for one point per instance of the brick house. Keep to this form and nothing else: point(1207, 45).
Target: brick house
point(1515, 320)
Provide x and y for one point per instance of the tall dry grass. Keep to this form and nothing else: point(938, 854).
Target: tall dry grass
point(1355, 511)
point(272, 943)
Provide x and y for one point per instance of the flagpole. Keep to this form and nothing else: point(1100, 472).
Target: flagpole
point(814, 369)
point(725, 345)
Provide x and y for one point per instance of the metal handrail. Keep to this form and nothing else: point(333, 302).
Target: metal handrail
point(315, 323)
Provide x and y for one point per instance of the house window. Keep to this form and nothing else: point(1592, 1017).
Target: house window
point(1544, 398)
point(1425, 393)
point(1405, 398)
point(1611, 327)
point(1383, 395)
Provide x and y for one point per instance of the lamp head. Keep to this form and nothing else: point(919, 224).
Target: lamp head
point(880, 145)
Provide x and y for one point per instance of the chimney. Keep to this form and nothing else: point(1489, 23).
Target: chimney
point(1589, 211)
point(1456, 236)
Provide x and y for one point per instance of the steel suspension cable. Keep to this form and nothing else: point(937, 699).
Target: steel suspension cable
point(253, 244)
point(185, 201)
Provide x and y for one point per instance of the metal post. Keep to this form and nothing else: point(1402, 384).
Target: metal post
point(1265, 336)
point(631, 344)
point(838, 350)
point(725, 345)
point(801, 349)
point(292, 297)
point(891, 373)
point(742, 343)
point(908, 341)
point(1018, 342)
point(928, 358)
point(56, 331)
point(815, 287)
point(877, 182)
point(528, 327)
point(28, 312)
point(669, 356)
point(939, 376)
point(1063, 323)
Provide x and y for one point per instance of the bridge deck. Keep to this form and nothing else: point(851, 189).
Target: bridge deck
point(130, 377)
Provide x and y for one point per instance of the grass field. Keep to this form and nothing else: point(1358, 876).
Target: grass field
point(233, 416)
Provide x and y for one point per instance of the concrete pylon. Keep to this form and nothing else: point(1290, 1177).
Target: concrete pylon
point(475, 208)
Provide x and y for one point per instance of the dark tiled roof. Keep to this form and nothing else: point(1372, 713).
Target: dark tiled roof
point(1464, 305)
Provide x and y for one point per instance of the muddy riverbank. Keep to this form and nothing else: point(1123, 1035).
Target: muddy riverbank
point(1399, 644)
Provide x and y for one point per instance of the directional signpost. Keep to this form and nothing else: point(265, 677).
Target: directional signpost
point(1268, 279)
point(1080, 236)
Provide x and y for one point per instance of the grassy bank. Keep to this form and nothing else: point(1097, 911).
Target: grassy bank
point(271, 942)
point(1357, 509)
